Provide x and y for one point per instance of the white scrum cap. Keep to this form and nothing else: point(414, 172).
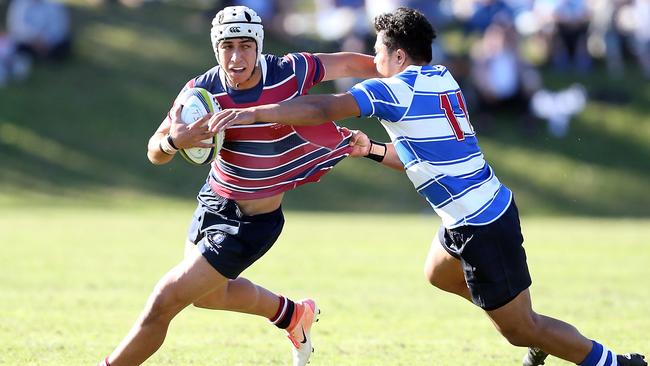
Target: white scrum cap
point(237, 22)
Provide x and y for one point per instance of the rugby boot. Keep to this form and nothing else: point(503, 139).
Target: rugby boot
point(631, 359)
point(304, 315)
point(534, 357)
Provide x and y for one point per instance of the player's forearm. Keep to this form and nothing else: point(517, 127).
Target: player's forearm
point(307, 110)
point(391, 159)
point(361, 66)
point(154, 152)
point(347, 64)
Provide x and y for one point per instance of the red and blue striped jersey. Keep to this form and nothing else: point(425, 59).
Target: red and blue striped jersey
point(265, 159)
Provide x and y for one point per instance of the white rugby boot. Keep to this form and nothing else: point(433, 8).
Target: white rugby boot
point(304, 315)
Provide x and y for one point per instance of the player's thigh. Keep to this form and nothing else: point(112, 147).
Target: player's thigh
point(214, 299)
point(189, 248)
point(441, 268)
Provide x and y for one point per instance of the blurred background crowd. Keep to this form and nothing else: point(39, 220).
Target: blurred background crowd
point(557, 89)
point(500, 47)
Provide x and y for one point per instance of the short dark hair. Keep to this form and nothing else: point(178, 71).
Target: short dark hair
point(409, 30)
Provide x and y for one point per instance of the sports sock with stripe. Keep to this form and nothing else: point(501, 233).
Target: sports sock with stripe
point(599, 356)
point(282, 317)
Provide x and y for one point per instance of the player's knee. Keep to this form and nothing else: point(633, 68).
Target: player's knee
point(164, 303)
point(443, 281)
point(523, 333)
point(430, 275)
point(518, 336)
point(435, 281)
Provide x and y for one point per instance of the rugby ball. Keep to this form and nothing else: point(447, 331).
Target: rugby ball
point(196, 103)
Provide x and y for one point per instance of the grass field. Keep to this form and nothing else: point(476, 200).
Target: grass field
point(88, 225)
point(73, 279)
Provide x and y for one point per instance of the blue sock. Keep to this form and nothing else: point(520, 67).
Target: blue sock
point(597, 354)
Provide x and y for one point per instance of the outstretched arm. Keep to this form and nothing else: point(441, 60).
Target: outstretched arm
point(347, 64)
point(306, 110)
point(310, 110)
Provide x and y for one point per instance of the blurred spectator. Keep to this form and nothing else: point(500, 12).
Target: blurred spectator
point(377, 7)
point(519, 7)
point(485, 11)
point(127, 3)
point(7, 51)
point(604, 39)
point(435, 10)
point(344, 22)
point(500, 75)
point(14, 66)
point(39, 28)
point(558, 107)
point(642, 34)
point(570, 47)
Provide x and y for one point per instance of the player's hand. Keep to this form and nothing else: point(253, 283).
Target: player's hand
point(360, 143)
point(228, 117)
point(189, 135)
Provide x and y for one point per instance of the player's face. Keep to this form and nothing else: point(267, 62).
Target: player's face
point(237, 57)
point(385, 60)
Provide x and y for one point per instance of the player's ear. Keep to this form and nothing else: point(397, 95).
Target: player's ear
point(400, 56)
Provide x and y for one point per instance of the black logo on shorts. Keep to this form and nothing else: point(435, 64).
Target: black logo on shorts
point(234, 30)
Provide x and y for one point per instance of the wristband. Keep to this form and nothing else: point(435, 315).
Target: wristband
point(171, 141)
point(167, 145)
point(374, 156)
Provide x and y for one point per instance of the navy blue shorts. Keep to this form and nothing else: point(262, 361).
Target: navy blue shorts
point(229, 240)
point(493, 258)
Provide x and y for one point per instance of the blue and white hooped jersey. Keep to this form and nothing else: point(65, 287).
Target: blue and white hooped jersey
point(424, 113)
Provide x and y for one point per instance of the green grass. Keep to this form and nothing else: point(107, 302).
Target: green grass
point(88, 225)
point(74, 279)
